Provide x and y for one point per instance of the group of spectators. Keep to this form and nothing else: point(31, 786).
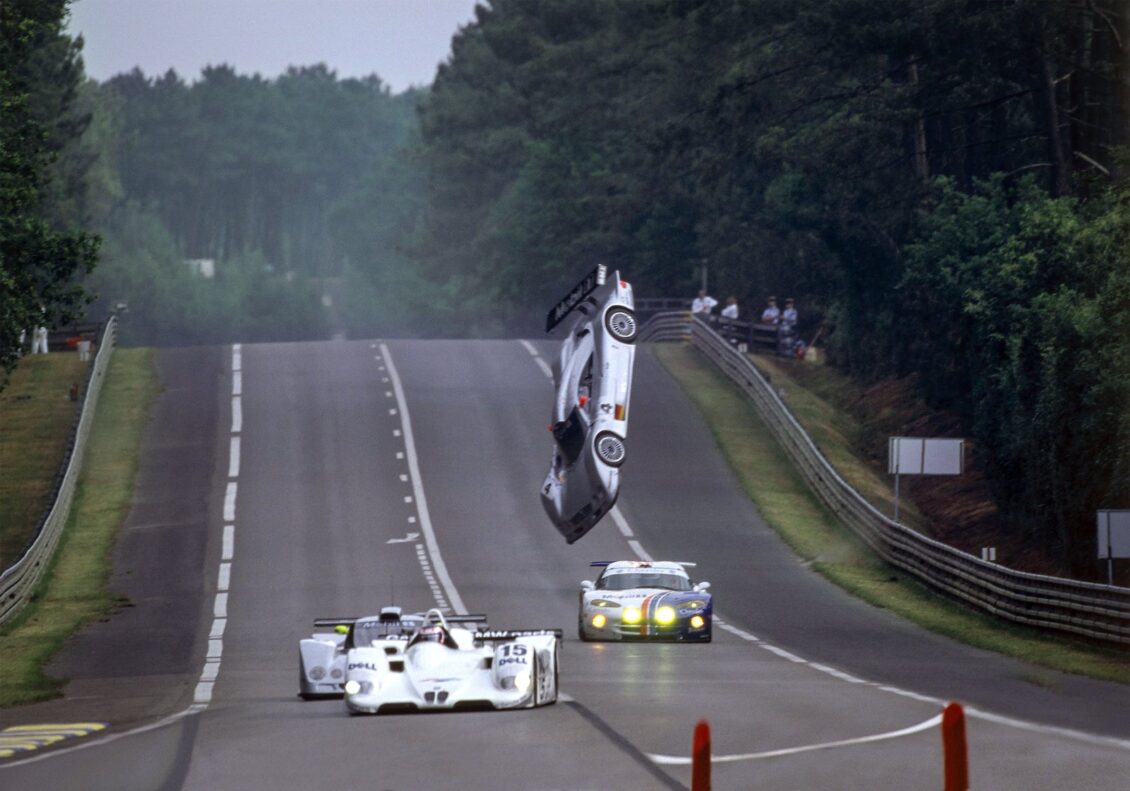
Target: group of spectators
point(783, 320)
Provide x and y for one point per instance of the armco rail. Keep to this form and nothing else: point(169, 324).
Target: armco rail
point(18, 581)
point(1093, 610)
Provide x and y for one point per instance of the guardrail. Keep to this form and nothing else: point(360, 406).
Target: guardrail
point(18, 582)
point(1084, 608)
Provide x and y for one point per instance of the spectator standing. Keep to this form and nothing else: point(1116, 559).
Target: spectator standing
point(786, 332)
point(771, 314)
point(703, 304)
point(788, 315)
point(731, 309)
point(39, 341)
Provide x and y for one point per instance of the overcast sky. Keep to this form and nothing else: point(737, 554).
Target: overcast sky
point(402, 41)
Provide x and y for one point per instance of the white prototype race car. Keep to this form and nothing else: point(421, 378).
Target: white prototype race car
point(322, 656)
point(441, 666)
point(593, 381)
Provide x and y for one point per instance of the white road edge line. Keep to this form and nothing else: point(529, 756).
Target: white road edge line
point(545, 369)
point(678, 760)
point(438, 565)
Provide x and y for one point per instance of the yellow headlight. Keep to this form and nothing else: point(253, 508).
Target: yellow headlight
point(631, 615)
point(665, 615)
point(697, 621)
point(598, 621)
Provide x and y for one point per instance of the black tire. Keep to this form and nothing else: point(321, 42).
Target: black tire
point(621, 324)
point(610, 448)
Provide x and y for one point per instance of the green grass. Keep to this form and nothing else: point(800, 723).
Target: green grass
point(831, 548)
point(73, 591)
point(36, 418)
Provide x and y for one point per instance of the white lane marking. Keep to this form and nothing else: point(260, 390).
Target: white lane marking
point(218, 626)
point(229, 502)
point(621, 522)
point(545, 369)
point(223, 582)
point(211, 670)
point(237, 357)
point(841, 675)
point(215, 649)
point(781, 652)
point(237, 382)
point(407, 498)
point(203, 694)
point(411, 520)
point(236, 414)
point(396, 432)
point(400, 454)
point(233, 458)
point(406, 540)
point(678, 760)
point(229, 543)
point(403, 478)
point(735, 630)
point(388, 394)
point(429, 577)
point(637, 547)
point(392, 411)
point(452, 595)
point(220, 608)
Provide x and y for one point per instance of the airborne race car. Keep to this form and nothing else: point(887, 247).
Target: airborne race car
point(637, 600)
point(593, 380)
point(322, 656)
point(442, 667)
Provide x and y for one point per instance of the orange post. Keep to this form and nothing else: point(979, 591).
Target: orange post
point(956, 756)
point(700, 757)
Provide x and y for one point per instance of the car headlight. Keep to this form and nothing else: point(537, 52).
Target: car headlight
point(522, 681)
point(665, 615)
point(599, 620)
point(694, 605)
point(352, 686)
point(631, 615)
point(697, 621)
point(604, 603)
point(317, 673)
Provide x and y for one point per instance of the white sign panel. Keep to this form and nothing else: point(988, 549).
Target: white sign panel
point(922, 456)
point(1114, 534)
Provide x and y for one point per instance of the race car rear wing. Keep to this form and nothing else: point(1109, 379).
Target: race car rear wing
point(590, 283)
point(334, 622)
point(510, 634)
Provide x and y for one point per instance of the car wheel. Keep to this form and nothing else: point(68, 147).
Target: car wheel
point(610, 449)
point(621, 324)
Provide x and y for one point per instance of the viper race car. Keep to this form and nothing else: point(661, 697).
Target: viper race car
point(593, 382)
point(637, 600)
point(322, 656)
point(442, 666)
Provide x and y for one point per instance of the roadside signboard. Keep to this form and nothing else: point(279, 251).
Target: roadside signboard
point(923, 456)
point(1113, 538)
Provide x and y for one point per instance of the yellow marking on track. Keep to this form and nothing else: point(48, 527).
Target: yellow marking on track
point(17, 739)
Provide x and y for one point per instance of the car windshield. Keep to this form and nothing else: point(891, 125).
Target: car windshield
point(644, 579)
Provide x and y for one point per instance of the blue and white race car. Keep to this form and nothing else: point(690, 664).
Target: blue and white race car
point(645, 600)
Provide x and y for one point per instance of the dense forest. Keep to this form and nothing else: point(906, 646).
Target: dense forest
point(942, 185)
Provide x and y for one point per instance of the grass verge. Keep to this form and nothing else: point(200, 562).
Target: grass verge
point(73, 591)
point(37, 416)
point(798, 516)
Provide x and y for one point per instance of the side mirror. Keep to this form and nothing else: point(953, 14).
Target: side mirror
point(702, 586)
point(588, 585)
point(341, 629)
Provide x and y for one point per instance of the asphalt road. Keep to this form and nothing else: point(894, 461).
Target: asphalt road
point(346, 449)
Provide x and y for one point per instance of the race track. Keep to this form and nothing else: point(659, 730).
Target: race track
point(358, 472)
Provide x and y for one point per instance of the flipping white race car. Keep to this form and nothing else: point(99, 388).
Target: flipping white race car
point(593, 379)
point(637, 600)
point(440, 667)
point(322, 656)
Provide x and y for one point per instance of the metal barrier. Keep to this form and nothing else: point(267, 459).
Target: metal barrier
point(1083, 608)
point(18, 582)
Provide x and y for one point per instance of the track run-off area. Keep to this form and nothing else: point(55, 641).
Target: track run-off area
point(285, 482)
